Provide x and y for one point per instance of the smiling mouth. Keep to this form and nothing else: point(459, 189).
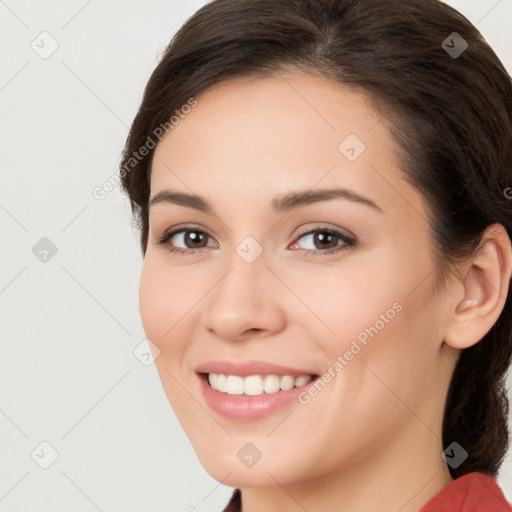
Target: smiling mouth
point(255, 385)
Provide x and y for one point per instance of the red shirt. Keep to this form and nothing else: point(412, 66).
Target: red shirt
point(474, 492)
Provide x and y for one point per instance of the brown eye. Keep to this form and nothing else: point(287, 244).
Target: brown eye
point(324, 241)
point(185, 240)
point(194, 239)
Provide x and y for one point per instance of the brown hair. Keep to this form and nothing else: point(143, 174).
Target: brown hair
point(450, 114)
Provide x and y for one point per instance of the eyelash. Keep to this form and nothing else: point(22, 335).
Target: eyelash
point(347, 241)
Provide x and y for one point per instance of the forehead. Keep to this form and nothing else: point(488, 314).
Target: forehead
point(266, 136)
point(274, 112)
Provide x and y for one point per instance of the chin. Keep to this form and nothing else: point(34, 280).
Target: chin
point(236, 469)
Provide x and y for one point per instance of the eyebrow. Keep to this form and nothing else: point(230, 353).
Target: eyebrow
point(280, 204)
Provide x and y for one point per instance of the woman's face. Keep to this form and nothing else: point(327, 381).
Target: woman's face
point(330, 286)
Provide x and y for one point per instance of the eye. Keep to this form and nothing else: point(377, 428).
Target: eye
point(327, 239)
point(320, 240)
point(191, 237)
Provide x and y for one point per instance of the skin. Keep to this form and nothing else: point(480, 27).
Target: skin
point(371, 439)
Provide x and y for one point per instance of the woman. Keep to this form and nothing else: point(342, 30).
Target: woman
point(323, 192)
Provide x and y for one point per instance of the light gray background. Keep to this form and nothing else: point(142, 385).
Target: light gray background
point(69, 325)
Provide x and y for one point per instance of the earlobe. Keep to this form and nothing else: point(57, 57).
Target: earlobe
point(485, 290)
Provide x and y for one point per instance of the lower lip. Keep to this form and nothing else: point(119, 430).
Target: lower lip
point(246, 407)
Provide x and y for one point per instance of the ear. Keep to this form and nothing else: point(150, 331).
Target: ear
point(484, 290)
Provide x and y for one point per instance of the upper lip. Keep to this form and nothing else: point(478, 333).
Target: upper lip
point(249, 367)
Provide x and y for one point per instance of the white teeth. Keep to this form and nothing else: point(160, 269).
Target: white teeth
point(303, 379)
point(287, 382)
point(213, 378)
point(254, 385)
point(271, 384)
point(235, 385)
point(221, 383)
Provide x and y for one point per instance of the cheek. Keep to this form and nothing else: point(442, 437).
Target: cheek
point(347, 301)
point(163, 309)
point(162, 304)
point(150, 303)
point(380, 320)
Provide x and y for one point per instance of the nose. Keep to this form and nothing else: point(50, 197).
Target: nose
point(244, 302)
